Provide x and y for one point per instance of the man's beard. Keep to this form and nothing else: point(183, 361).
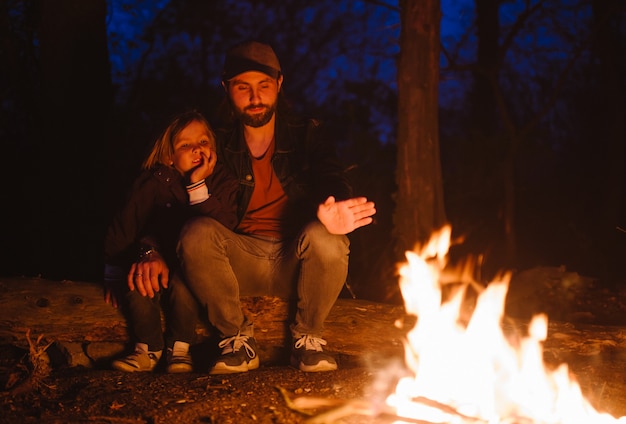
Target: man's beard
point(256, 120)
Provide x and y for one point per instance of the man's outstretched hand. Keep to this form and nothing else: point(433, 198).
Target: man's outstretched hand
point(345, 216)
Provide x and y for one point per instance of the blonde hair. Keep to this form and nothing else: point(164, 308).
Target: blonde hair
point(163, 149)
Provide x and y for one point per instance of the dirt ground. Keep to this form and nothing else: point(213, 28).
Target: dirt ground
point(272, 394)
point(78, 395)
point(592, 342)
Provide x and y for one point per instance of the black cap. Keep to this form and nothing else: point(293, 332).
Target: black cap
point(251, 56)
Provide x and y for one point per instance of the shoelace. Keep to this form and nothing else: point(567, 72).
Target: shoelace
point(310, 343)
point(234, 343)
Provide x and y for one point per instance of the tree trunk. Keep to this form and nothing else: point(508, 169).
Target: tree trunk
point(610, 128)
point(483, 111)
point(419, 200)
point(495, 154)
point(66, 180)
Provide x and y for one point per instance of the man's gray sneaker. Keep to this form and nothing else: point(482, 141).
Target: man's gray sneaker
point(238, 355)
point(178, 358)
point(307, 355)
point(139, 361)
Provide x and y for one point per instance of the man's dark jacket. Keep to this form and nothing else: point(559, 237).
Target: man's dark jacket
point(304, 161)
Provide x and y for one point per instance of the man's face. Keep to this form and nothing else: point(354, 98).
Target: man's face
point(254, 95)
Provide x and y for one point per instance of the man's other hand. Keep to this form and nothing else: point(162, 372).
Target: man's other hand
point(148, 275)
point(345, 216)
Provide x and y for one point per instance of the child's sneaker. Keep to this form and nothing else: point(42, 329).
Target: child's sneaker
point(307, 355)
point(179, 359)
point(140, 360)
point(238, 355)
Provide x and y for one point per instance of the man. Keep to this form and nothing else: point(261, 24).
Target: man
point(295, 208)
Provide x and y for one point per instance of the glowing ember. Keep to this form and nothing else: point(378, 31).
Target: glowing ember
point(465, 369)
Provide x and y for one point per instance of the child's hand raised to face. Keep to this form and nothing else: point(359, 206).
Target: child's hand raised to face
point(206, 166)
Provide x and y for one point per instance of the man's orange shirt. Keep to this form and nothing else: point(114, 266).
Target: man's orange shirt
point(268, 202)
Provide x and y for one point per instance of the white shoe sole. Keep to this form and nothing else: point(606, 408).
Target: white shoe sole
point(321, 366)
point(222, 368)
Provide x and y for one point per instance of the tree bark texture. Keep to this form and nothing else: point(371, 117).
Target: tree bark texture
point(419, 200)
point(610, 123)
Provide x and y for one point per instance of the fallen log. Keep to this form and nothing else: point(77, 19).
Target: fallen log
point(73, 316)
point(87, 331)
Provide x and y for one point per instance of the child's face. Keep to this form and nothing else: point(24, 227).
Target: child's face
point(192, 142)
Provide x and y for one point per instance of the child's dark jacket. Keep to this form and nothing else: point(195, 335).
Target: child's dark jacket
point(156, 209)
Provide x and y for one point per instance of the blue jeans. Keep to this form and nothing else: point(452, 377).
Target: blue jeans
point(221, 266)
point(180, 308)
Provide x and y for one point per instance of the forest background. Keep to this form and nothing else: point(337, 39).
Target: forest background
point(531, 120)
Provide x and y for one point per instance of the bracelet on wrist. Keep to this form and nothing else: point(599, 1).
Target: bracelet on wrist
point(146, 251)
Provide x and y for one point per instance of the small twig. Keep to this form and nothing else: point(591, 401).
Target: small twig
point(348, 409)
point(345, 409)
point(290, 403)
point(447, 409)
point(215, 387)
point(35, 365)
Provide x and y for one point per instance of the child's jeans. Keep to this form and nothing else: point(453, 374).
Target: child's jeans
point(144, 316)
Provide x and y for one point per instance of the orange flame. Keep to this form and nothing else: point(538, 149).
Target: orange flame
point(468, 370)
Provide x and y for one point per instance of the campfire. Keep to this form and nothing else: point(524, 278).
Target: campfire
point(465, 369)
point(461, 364)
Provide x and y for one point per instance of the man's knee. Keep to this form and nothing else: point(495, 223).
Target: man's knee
point(316, 237)
point(196, 228)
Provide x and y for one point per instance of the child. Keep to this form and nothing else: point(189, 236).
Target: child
point(180, 178)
